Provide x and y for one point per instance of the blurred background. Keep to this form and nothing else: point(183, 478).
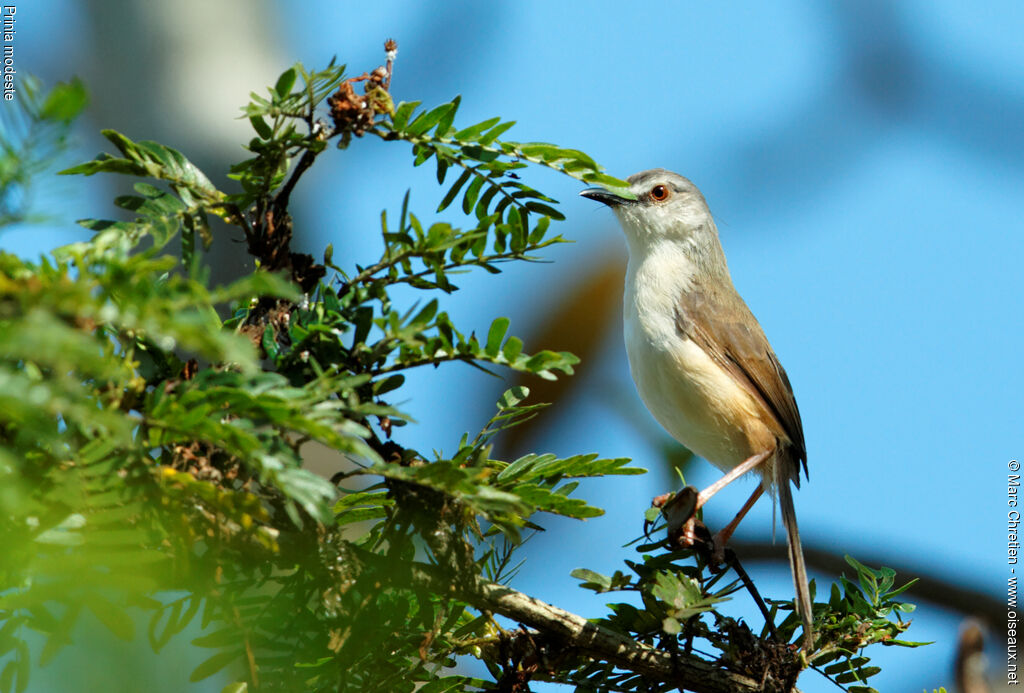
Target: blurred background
point(864, 160)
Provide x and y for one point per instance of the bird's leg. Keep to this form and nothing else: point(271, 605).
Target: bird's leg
point(723, 535)
point(731, 476)
point(704, 496)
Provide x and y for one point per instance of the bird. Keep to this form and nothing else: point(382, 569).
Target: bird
point(700, 360)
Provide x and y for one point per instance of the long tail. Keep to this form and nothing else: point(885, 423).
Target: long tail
point(796, 552)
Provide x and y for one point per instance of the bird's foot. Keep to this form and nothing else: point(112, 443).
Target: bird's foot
point(660, 501)
point(687, 535)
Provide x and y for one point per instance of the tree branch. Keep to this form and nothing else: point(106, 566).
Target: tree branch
point(577, 633)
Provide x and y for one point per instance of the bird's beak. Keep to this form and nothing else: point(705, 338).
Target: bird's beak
point(604, 196)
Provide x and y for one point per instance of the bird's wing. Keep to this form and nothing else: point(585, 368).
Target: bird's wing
point(722, 324)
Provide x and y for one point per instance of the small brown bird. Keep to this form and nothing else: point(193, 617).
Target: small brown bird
point(700, 360)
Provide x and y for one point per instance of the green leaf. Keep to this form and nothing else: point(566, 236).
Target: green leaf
point(846, 665)
point(888, 596)
point(388, 384)
point(539, 231)
point(494, 133)
point(471, 194)
point(269, 342)
point(363, 322)
point(445, 123)
point(65, 101)
point(454, 191)
point(513, 347)
point(545, 500)
point(544, 209)
point(614, 185)
point(850, 677)
point(482, 154)
point(423, 154)
point(425, 315)
point(495, 335)
point(261, 127)
point(474, 131)
point(543, 361)
point(442, 169)
point(906, 643)
point(429, 119)
point(591, 579)
point(285, 82)
point(518, 468)
point(512, 397)
point(113, 617)
point(485, 201)
point(541, 151)
point(214, 664)
point(175, 620)
point(402, 113)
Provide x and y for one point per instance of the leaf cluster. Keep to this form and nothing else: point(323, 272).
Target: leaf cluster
point(860, 614)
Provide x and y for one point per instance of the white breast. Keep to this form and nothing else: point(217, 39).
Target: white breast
point(695, 400)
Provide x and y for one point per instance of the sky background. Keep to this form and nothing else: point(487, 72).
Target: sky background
point(864, 161)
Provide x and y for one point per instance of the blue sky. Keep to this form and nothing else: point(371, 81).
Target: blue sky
point(863, 161)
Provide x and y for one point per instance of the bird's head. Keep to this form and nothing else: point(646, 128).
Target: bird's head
point(667, 207)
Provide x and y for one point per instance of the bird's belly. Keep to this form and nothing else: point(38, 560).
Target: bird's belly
point(694, 399)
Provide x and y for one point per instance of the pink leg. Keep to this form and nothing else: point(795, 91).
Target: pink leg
point(723, 535)
point(686, 530)
point(731, 476)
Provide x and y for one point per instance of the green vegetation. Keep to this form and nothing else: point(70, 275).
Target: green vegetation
point(153, 429)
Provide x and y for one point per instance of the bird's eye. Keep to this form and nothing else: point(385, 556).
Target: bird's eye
point(659, 193)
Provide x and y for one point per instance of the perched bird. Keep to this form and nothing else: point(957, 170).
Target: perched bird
point(699, 358)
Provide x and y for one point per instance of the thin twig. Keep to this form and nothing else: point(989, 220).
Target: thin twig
point(734, 562)
point(431, 361)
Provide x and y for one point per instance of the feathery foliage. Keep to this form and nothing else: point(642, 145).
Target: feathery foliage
point(153, 428)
